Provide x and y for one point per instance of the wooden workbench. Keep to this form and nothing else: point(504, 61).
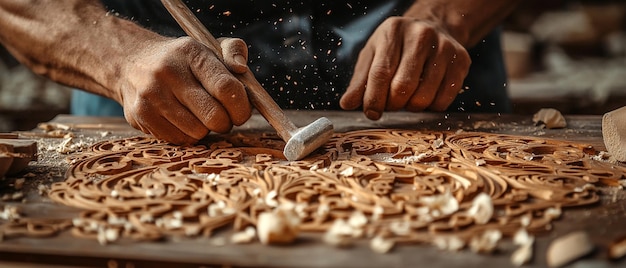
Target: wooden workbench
point(604, 222)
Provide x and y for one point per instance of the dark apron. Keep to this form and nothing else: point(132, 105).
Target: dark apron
point(303, 53)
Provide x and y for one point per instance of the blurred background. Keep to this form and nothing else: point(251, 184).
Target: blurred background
point(568, 55)
point(563, 54)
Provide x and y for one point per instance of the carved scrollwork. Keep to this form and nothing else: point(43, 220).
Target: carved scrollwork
point(423, 181)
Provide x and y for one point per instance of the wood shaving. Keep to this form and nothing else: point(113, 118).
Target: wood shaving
point(440, 205)
point(568, 248)
point(553, 213)
point(524, 253)
point(16, 196)
point(381, 245)
point(278, 227)
point(10, 213)
point(482, 209)
point(449, 243)
point(19, 183)
point(340, 234)
point(244, 237)
point(549, 118)
point(70, 146)
point(107, 235)
point(53, 126)
point(617, 248)
point(42, 190)
point(614, 133)
point(485, 242)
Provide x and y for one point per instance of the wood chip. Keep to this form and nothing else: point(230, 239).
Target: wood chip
point(482, 208)
point(549, 118)
point(485, 242)
point(568, 248)
point(380, 245)
point(524, 253)
point(449, 243)
point(617, 248)
point(278, 227)
point(244, 237)
point(15, 155)
point(614, 133)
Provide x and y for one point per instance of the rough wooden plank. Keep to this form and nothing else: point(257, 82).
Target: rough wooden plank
point(15, 154)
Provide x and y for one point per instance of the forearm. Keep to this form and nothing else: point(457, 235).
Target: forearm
point(468, 21)
point(74, 42)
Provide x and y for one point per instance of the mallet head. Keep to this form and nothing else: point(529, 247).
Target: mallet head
point(308, 138)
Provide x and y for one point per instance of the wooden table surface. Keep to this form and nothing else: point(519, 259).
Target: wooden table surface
point(604, 222)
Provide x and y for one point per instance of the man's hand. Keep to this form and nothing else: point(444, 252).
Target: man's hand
point(407, 63)
point(175, 89)
point(179, 91)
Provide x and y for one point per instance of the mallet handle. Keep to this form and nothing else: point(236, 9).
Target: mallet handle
point(261, 100)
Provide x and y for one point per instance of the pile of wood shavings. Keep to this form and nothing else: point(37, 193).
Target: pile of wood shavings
point(453, 190)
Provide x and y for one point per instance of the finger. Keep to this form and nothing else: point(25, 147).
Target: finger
point(150, 117)
point(381, 72)
point(452, 83)
point(163, 129)
point(206, 109)
point(235, 52)
point(433, 72)
point(353, 98)
point(183, 119)
point(226, 91)
point(407, 77)
point(132, 122)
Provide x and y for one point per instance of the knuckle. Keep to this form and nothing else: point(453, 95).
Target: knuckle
point(442, 103)
point(439, 107)
point(394, 27)
point(401, 85)
point(180, 139)
point(187, 140)
point(421, 101)
point(463, 57)
point(377, 104)
point(393, 22)
point(226, 86)
point(222, 126)
point(394, 105)
point(131, 120)
point(417, 106)
point(187, 44)
point(238, 44)
point(148, 100)
point(447, 47)
point(381, 72)
point(427, 33)
point(215, 119)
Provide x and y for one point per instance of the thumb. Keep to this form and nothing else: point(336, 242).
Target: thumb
point(235, 52)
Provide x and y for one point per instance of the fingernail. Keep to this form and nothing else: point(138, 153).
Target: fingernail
point(240, 59)
point(371, 114)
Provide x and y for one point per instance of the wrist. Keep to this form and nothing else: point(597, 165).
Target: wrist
point(129, 46)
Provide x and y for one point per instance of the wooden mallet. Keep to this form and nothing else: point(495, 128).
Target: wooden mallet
point(299, 141)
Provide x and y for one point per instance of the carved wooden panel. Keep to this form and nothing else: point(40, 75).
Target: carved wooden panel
point(410, 186)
